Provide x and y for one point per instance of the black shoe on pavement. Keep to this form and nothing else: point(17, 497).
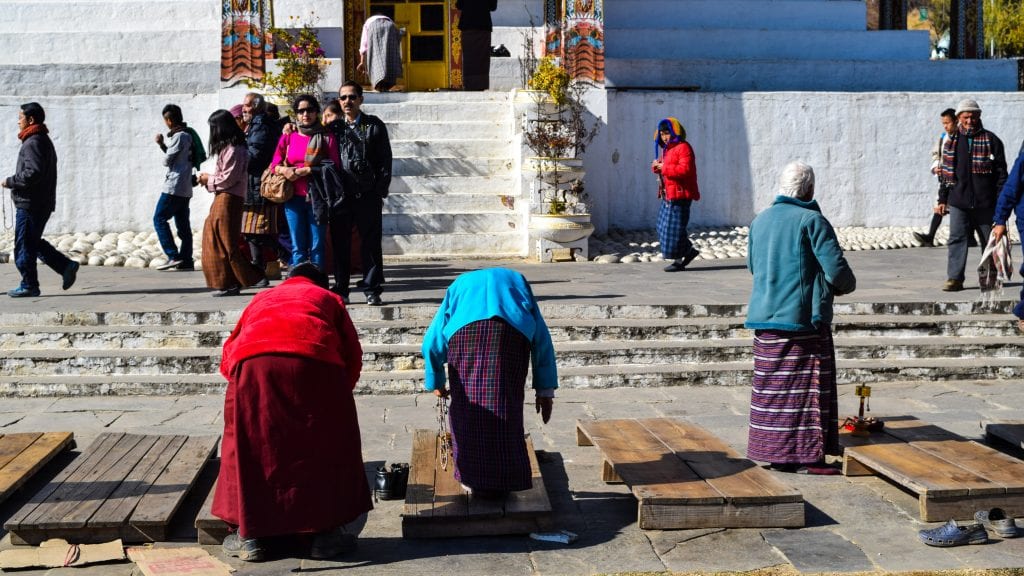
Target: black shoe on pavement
point(924, 239)
point(70, 274)
point(690, 257)
point(374, 300)
point(233, 291)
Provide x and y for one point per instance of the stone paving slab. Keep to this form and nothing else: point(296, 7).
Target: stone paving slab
point(814, 550)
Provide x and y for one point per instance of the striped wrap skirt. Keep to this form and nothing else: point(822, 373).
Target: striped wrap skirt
point(487, 366)
point(794, 415)
point(673, 218)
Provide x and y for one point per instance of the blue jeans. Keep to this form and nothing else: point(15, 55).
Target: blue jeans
point(174, 207)
point(29, 245)
point(307, 236)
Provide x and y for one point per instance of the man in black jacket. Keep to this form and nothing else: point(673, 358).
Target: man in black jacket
point(366, 170)
point(973, 171)
point(34, 191)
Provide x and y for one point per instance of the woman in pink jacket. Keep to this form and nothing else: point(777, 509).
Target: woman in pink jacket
point(677, 173)
point(226, 269)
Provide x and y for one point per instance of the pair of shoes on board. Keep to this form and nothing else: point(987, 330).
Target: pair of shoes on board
point(996, 521)
point(374, 300)
point(22, 292)
point(952, 534)
point(70, 275)
point(952, 285)
point(924, 239)
point(331, 544)
point(245, 549)
point(233, 291)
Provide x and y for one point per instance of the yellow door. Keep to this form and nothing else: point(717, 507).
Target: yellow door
point(424, 41)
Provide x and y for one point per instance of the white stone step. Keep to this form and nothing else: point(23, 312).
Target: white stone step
point(462, 223)
point(372, 99)
point(124, 46)
point(687, 15)
point(485, 185)
point(813, 75)
point(471, 245)
point(451, 148)
point(411, 203)
point(109, 16)
point(451, 167)
point(402, 129)
point(725, 44)
point(440, 111)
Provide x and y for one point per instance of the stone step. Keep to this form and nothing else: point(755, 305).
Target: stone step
point(840, 75)
point(610, 376)
point(440, 110)
point(119, 46)
point(924, 313)
point(493, 245)
point(374, 99)
point(484, 184)
point(400, 357)
point(444, 224)
point(729, 44)
point(401, 129)
point(738, 14)
point(412, 203)
point(109, 16)
point(896, 330)
point(452, 167)
point(469, 148)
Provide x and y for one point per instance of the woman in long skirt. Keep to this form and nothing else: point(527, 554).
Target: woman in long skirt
point(487, 330)
point(678, 190)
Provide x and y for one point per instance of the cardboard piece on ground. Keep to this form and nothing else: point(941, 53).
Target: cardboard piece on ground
point(57, 553)
point(190, 561)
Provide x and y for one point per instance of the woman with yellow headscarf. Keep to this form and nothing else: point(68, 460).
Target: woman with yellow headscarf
point(677, 172)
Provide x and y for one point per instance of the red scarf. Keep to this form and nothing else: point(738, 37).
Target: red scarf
point(32, 129)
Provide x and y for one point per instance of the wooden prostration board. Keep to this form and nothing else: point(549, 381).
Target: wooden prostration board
point(124, 486)
point(1009, 432)
point(684, 477)
point(436, 506)
point(952, 476)
point(24, 454)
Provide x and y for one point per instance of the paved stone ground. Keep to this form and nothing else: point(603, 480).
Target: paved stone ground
point(852, 523)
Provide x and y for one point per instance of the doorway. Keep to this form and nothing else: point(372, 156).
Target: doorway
point(427, 43)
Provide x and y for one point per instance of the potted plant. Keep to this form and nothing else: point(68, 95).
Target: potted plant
point(556, 132)
point(301, 65)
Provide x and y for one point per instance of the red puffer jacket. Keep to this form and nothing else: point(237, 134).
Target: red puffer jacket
point(679, 170)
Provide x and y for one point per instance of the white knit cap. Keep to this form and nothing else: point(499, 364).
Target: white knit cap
point(967, 105)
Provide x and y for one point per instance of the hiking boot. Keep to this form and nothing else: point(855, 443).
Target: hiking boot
point(953, 285)
point(327, 545)
point(245, 549)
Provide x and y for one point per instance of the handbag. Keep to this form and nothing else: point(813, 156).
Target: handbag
point(275, 187)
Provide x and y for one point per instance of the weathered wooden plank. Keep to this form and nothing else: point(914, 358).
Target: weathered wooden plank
point(963, 508)
point(1010, 432)
point(101, 487)
point(419, 494)
point(921, 472)
point(26, 463)
point(86, 460)
point(534, 501)
point(735, 477)
point(119, 506)
point(83, 483)
point(158, 505)
point(675, 517)
point(646, 465)
point(13, 444)
point(450, 499)
point(211, 530)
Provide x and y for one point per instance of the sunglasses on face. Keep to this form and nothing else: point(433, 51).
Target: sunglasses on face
point(301, 111)
point(345, 97)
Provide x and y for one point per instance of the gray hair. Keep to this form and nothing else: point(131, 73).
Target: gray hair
point(797, 181)
point(259, 103)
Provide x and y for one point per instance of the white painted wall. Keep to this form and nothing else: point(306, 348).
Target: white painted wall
point(871, 151)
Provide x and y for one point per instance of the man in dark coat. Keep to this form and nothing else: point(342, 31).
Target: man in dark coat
point(475, 24)
point(366, 170)
point(260, 219)
point(34, 191)
point(973, 171)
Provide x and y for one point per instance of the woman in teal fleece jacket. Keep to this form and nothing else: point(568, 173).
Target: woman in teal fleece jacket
point(798, 267)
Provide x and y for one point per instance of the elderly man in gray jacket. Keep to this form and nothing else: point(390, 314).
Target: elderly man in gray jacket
point(176, 193)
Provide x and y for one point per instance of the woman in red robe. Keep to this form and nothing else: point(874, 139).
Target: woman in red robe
point(291, 456)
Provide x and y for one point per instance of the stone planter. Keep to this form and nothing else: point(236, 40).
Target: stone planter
point(561, 236)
